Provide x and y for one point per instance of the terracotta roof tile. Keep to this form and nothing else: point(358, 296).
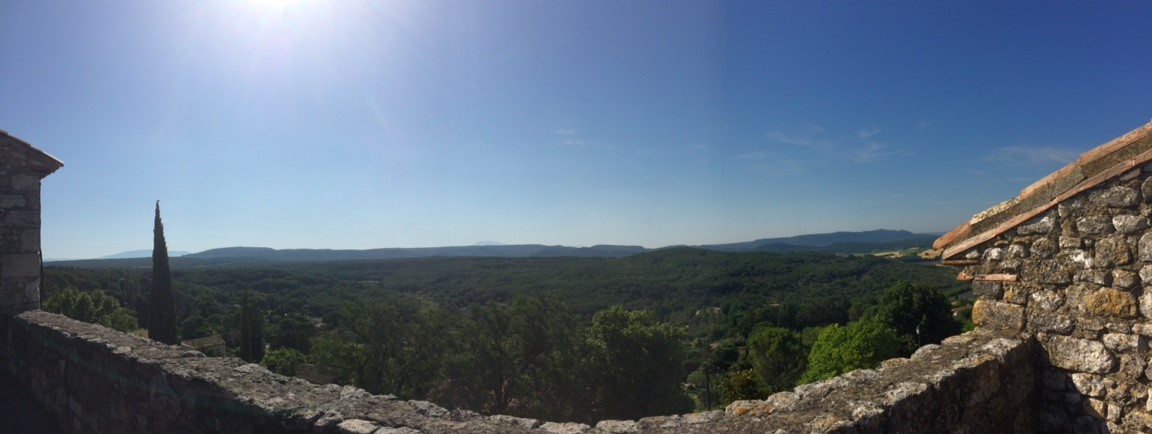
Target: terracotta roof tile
point(1094, 167)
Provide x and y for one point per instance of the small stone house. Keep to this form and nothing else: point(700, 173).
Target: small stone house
point(209, 345)
point(1068, 262)
point(21, 169)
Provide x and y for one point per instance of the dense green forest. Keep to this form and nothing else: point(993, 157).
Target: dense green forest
point(559, 338)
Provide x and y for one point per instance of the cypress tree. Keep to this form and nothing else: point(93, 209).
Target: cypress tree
point(251, 331)
point(162, 315)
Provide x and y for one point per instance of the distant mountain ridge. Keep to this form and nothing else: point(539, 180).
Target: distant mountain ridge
point(143, 254)
point(835, 242)
point(511, 251)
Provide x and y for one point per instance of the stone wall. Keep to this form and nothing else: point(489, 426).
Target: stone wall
point(21, 169)
point(1079, 278)
point(100, 380)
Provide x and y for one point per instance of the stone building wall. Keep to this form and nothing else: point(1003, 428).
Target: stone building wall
point(21, 169)
point(1078, 277)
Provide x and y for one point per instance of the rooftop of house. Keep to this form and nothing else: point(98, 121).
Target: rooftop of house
point(204, 342)
point(1095, 166)
point(19, 153)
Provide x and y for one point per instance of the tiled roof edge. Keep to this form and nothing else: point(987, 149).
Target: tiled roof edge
point(47, 158)
point(1042, 195)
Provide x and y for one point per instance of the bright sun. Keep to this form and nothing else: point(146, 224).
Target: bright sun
point(276, 5)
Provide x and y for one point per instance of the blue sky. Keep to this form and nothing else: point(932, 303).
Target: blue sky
point(363, 124)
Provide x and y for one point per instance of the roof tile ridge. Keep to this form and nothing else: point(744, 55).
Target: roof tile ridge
point(1115, 144)
point(1071, 176)
point(970, 240)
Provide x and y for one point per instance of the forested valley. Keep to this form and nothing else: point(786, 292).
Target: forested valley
point(564, 339)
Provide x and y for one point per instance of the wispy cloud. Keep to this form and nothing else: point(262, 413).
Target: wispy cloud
point(755, 155)
point(1032, 156)
point(674, 149)
point(805, 140)
point(571, 138)
point(874, 151)
point(865, 133)
point(863, 148)
point(771, 164)
point(780, 168)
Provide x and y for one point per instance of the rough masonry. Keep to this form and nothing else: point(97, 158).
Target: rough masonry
point(21, 169)
point(99, 380)
point(1069, 262)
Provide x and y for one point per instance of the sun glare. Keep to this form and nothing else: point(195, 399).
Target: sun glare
point(276, 5)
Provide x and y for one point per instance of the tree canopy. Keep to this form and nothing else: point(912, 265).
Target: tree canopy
point(860, 344)
point(580, 339)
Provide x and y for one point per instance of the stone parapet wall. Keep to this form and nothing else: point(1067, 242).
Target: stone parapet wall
point(978, 382)
point(1078, 276)
point(100, 380)
point(103, 381)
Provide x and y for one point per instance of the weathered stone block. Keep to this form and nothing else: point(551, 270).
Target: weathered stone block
point(1146, 275)
point(994, 254)
point(1094, 225)
point(513, 421)
point(1124, 279)
point(1044, 248)
point(1080, 355)
point(563, 427)
point(1017, 293)
point(1144, 247)
point(1080, 258)
point(1115, 197)
point(401, 430)
point(1146, 304)
point(28, 183)
point(20, 265)
point(1047, 300)
point(617, 426)
point(1046, 271)
point(987, 289)
point(1112, 251)
point(1089, 384)
point(357, 426)
point(1111, 302)
point(781, 401)
point(1129, 224)
point(12, 201)
point(998, 315)
point(30, 240)
point(1096, 277)
point(1070, 243)
point(1053, 323)
point(22, 218)
point(1121, 342)
point(1040, 227)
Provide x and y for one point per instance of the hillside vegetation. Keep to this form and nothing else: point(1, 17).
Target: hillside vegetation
point(561, 338)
